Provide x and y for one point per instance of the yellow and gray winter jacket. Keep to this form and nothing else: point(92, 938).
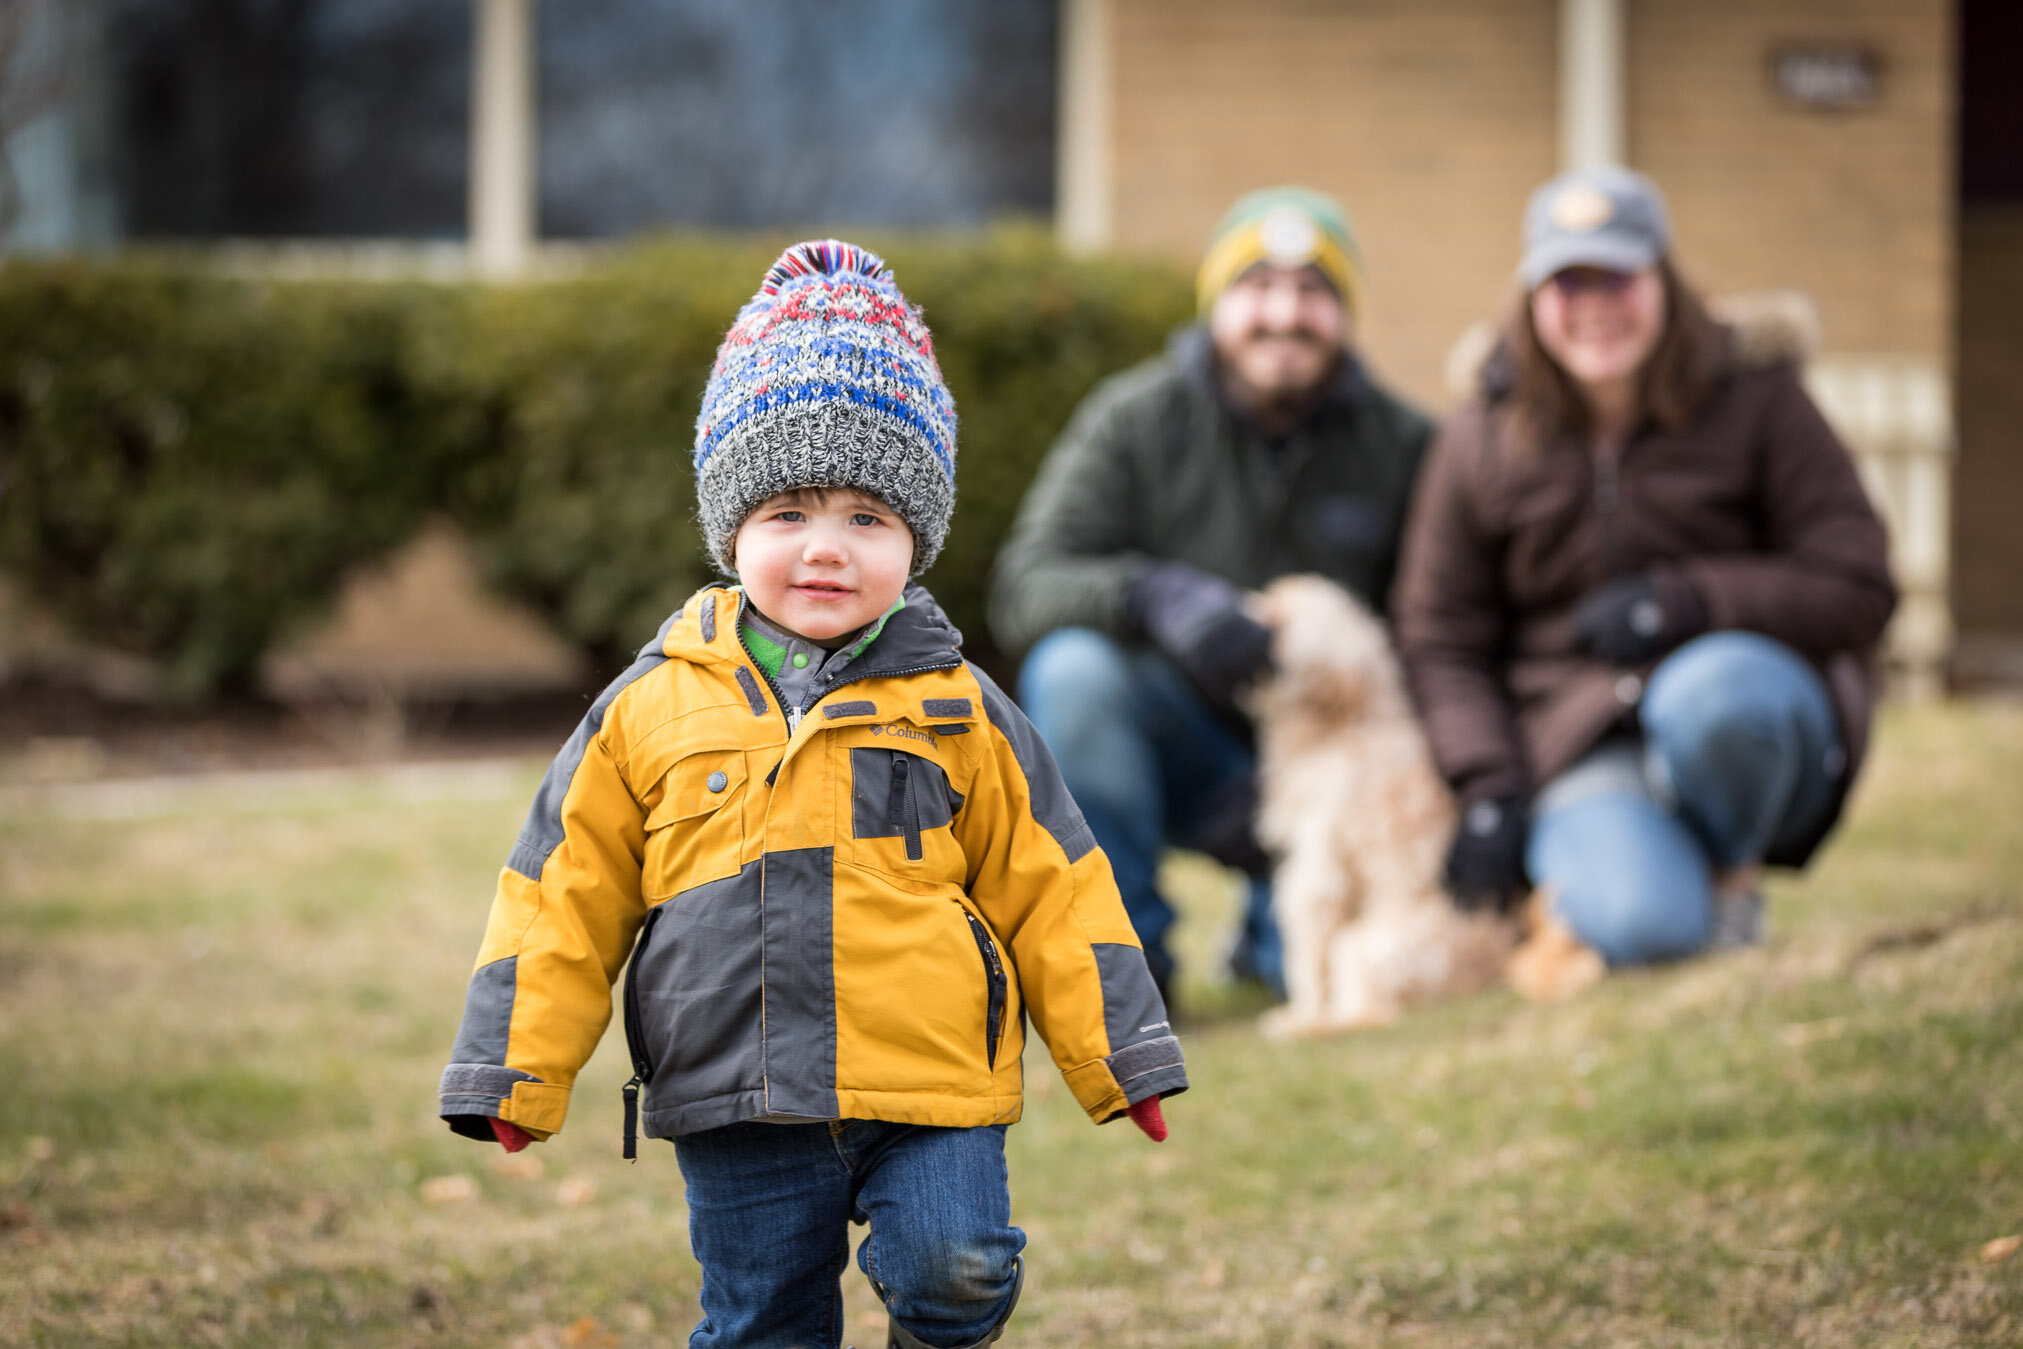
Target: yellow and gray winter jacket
point(840, 908)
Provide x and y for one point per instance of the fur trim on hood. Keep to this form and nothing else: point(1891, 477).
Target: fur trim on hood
point(1766, 328)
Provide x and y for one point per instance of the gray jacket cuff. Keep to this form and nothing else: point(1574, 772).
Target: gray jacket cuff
point(1150, 1068)
point(477, 1088)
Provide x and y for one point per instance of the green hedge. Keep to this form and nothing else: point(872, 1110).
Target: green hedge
point(190, 463)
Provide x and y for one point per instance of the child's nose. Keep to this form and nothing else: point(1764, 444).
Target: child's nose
point(823, 546)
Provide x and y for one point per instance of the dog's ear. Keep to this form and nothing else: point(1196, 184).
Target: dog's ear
point(1320, 671)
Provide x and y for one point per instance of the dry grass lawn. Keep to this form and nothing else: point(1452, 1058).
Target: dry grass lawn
point(224, 1002)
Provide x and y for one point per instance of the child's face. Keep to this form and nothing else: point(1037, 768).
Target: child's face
point(822, 563)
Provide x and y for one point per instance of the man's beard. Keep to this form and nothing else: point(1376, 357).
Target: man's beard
point(1278, 408)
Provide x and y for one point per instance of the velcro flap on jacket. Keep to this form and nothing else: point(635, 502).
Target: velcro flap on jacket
point(537, 1107)
point(479, 1086)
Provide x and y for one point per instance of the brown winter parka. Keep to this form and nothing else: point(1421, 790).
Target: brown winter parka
point(1756, 504)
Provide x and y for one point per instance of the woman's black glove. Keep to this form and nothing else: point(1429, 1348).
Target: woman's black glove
point(1198, 620)
point(1485, 863)
point(1638, 618)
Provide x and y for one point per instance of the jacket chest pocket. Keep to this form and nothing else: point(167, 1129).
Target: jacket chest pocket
point(696, 832)
point(899, 796)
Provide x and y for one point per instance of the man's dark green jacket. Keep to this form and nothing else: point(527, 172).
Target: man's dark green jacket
point(1155, 467)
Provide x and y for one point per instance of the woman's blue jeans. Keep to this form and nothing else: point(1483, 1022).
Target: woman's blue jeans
point(1150, 764)
point(769, 1213)
point(1740, 756)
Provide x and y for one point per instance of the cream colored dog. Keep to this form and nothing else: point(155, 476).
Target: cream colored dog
point(1359, 820)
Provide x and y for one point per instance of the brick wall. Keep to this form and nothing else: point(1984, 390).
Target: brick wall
point(1430, 121)
point(1853, 207)
point(1433, 119)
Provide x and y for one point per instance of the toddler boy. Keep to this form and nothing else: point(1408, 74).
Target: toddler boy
point(842, 863)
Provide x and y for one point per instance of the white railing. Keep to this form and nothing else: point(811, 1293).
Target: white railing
point(1896, 415)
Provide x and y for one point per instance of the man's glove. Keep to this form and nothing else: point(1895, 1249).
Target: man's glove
point(1228, 832)
point(1146, 1116)
point(511, 1136)
point(1485, 863)
point(1638, 618)
point(1198, 620)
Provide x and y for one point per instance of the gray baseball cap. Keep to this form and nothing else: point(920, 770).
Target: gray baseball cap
point(1609, 217)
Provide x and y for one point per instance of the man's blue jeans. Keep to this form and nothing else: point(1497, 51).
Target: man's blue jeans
point(1150, 764)
point(769, 1212)
point(1740, 756)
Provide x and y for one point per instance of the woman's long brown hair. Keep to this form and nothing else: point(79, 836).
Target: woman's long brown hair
point(1545, 402)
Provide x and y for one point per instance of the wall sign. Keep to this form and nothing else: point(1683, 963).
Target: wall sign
point(1827, 77)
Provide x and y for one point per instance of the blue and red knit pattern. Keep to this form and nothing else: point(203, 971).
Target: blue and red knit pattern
point(827, 378)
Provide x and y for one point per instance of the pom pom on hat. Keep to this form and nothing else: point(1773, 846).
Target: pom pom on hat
point(826, 379)
point(825, 257)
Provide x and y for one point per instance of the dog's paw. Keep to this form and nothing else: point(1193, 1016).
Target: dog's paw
point(1552, 964)
point(1554, 975)
point(1290, 1023)
point(1285, 1023)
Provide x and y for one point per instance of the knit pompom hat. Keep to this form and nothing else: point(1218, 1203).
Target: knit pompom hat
point(826, 379)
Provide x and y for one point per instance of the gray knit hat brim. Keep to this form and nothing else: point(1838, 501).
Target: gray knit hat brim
point(827, 443)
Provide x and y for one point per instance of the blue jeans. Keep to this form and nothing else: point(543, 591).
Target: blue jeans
point(1740, 756)
point(1150, 764)
point(769, 1211)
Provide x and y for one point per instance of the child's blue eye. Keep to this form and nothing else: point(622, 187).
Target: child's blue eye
point(863, 518)
point(793, 517)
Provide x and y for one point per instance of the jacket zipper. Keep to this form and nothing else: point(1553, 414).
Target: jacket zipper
point(635, 1038)
point(635, 1032)
point(993, 1015)
point(901, 807)
point(1608, 497)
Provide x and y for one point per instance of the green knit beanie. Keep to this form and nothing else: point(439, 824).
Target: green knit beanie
point(1290, 227)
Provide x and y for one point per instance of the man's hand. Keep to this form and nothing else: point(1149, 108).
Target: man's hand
point(511, 1136)
point(1485, 863)
point(1199, 621)
point(1146, 1116)
point(1639, 618)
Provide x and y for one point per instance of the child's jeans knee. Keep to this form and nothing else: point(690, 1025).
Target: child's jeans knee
point(942, 1252)
point(945, 1292)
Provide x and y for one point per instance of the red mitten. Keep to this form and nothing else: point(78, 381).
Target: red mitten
point(1146, 1116)
point(512, 1137)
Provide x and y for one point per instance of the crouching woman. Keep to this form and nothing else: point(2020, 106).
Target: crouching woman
point(1638, 595)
